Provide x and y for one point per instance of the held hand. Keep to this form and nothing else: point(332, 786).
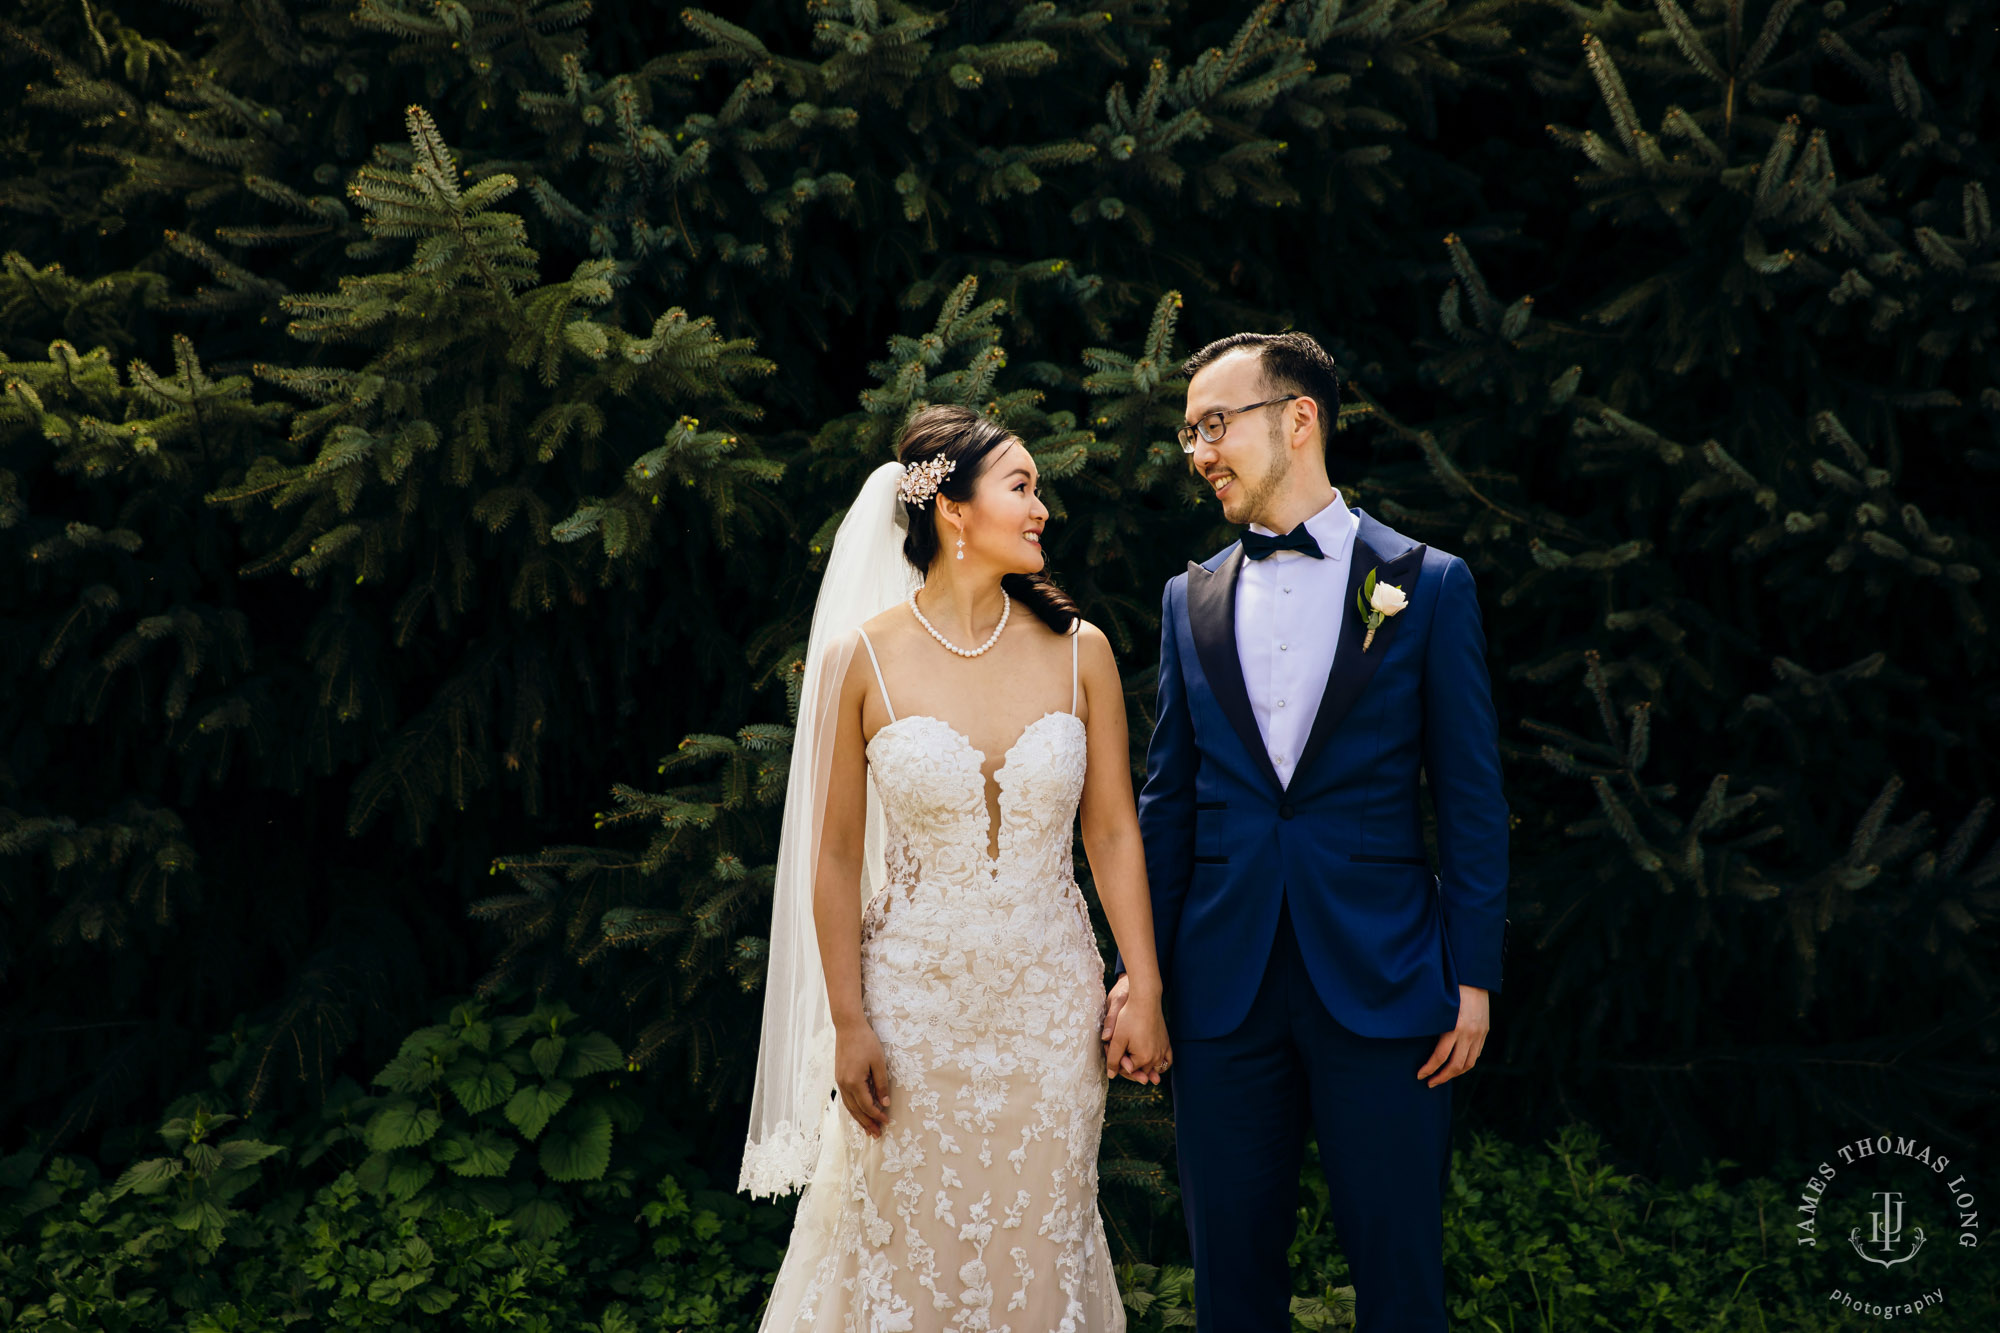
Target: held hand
point(1143, 1033)
point(862, 1073)
point(1116, 1060)
point(1458, 1050)
point(1139, 1047)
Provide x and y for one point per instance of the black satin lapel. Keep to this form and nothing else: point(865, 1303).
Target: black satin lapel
point(1352, 668)
point(1211, 602)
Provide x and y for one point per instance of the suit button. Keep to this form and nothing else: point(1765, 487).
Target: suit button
point(1285, 810)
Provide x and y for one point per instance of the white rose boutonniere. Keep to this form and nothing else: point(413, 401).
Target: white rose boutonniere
point(1378, 601)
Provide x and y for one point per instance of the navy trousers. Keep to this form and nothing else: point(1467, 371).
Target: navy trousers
point(1242, 1106)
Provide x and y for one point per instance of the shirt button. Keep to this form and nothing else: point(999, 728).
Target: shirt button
point(1288, 590)
point(1281, 703)
point(1284, 647)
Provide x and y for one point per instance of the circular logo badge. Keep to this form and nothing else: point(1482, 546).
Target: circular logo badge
point(1875, 1209)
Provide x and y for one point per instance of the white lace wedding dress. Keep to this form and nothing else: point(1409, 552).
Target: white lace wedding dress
point(977, 1207)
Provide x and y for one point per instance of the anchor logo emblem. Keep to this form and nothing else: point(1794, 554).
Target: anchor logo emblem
point(1885, 1232)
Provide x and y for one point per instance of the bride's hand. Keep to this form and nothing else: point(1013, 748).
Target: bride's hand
point(862, 1073)
point(1139, 1047)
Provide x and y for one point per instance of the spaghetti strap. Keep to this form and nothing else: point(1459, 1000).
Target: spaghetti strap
point(877, 662)
point(1074, 634)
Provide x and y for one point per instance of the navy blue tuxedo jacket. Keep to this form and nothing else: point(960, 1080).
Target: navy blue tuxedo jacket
point(1387, 942)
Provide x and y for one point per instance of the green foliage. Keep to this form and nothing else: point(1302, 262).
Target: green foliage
point(360, 1229)
point(1535, 1237)
point(489, 1115)
point(1727, 517)
point(1602, 1248)
point(417, 419)
point(1557, 1236)
point(713, 1255)
point(194, 1187)
point(1156, 1296)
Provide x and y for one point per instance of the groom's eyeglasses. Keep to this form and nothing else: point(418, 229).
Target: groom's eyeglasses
point(1215, 425)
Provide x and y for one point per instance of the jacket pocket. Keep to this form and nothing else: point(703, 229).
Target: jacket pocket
point(1211, 860)
point(1391, 860)
point(1211, 805)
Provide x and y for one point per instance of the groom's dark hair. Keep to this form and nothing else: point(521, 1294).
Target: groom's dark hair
point(1292, 363)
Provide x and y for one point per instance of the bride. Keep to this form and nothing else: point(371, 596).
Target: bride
point(930, 1069)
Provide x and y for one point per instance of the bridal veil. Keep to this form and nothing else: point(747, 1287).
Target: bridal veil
point(866, 574)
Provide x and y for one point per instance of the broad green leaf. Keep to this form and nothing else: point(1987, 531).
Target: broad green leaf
point(18, 1170)
point(592, 1053)
point(578, 1146)
point(529, 1109)
point(225, 1185)
point(468, 1021)
point(512, 1028)
point(435, 1299)
point(149, 1177)
point(483, 1088)
point(373, 1173)
point(481, 1154)
point(390, 1291)
point(420, 1059)
point(37, 1195)
point(239, 1153)
point(402, 1124)
point(547, 1053)
point(540, 1219)
point(408, 1174)
point(204, 1215)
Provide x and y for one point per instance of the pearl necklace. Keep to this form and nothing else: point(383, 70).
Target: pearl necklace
point(1006, 609)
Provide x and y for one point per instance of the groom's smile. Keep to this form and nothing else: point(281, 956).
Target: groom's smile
point(1243, 434)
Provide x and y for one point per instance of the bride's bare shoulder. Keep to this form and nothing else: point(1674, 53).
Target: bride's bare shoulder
point(887, 638)
point(887, 621)
point(1094, 646)
point(887, 627)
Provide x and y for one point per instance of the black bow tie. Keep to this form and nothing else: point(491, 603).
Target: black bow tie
point(1257, 546)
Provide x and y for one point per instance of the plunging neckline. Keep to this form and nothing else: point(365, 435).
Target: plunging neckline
point(996, 820)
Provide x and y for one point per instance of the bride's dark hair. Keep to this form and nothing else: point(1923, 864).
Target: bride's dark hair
point(970, 441)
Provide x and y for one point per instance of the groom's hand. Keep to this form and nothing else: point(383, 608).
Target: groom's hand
point(1458, 1050)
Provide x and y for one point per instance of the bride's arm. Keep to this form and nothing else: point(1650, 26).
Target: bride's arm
point(1118, 861)
point(859, 1067)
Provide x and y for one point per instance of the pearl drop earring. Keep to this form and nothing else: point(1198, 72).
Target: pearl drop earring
point(961, 548)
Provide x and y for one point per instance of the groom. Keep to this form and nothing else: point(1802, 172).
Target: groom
point(1319, 977)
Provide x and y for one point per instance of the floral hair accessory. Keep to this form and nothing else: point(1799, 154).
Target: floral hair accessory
point(921, 480)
